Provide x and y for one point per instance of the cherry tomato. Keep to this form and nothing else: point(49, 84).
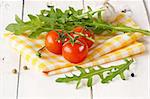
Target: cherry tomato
point(87, 33)
point(52, 42)
point(75, 53)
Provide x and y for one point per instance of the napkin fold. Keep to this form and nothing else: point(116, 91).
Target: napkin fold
point(133, 49)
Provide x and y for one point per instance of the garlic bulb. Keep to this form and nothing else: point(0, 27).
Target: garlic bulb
point(109, 14)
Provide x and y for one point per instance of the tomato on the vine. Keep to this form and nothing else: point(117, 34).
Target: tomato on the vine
point(87, 33)
point(53, 43)
point(75, 53)
point(73, 47)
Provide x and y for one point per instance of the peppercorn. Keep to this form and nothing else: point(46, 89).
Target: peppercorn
point(14, 71)
point(132, 75)
point(25, 68)
point(124, 11)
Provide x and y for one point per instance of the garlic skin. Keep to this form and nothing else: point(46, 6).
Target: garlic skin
point(109, 14)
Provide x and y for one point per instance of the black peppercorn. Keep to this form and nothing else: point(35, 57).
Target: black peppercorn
point(124, 11)
point(25, 68)
point(14, 71)
point(132, 75)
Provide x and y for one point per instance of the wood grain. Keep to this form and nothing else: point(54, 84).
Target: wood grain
point(9, 58)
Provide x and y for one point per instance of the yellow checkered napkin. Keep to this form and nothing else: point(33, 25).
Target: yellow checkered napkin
point(106, 49)
point(130, 50)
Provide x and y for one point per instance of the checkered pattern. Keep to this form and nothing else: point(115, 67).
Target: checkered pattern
point(106, 49)
point(130, 50)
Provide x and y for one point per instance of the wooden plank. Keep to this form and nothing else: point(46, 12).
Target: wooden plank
point(133, 88)
point(148, 5)
point(33, 84)
point(147, 8)
point(9, 58)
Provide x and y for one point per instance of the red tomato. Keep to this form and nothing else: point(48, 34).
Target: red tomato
point(87, 33)
point(52, 43)
point(75, 53)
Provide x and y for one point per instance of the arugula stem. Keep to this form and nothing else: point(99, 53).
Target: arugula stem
point(120, 28)
point(129, 29)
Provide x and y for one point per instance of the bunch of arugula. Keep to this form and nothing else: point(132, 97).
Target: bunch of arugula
point(56, 19)
point(112, 72)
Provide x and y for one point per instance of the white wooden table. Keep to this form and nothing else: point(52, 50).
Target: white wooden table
point(33, 85)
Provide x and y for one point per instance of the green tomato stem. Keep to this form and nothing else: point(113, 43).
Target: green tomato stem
point(81, 34)
point(38, 53)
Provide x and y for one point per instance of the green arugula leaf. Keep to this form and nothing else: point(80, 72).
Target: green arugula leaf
point(54, 19)
point(80, 11)
point(89, 8)
point(44, 12)
point(17, 28)
point(119, 70)
point(45, 19)
point(59, 13)
point(72, 10)
point(18, 20)
point(12, 27)
point(77, 86)
point(36, 33)
point(89, 83)
point(82, 70)
point(32, 17)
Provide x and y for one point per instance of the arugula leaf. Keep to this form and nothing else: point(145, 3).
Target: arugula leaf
point(89, 83)
point(54, 19)
point(80, 11)
point(36, 33)
point(44, 12)
point(32, 17)
point(21, 27)
point(119, 70)
point(72, 10)
point(17, 28)
point(89, 8)
point(18, 20)
point(77, 86)
point(12, 27)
